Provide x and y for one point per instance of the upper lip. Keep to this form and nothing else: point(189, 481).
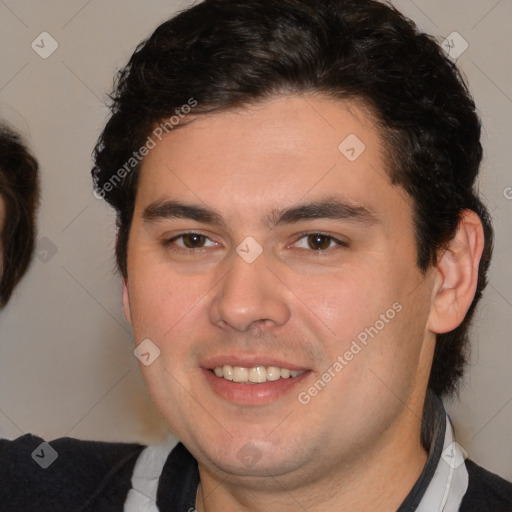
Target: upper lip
point(250, 361)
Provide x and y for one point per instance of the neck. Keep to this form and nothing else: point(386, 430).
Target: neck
point(378, 479)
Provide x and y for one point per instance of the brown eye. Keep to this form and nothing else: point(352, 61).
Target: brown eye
point(189, 243)
point(193, 240)
point(319, 242)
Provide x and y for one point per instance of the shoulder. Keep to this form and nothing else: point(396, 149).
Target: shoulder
point(486, 492)
point(65, 474)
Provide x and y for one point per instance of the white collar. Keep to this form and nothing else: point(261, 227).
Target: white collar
point(146, 474)
point(450, 480)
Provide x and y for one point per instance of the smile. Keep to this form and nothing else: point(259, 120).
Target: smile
point(254, 375)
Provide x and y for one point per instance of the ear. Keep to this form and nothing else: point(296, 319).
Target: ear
point(457, 275)
point(126, 302)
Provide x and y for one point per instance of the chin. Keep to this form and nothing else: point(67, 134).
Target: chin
point(250, 459)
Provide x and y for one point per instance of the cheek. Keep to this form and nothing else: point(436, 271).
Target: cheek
point(349, 303)
point(162, 302)
point(150, 293)
point(374, 315)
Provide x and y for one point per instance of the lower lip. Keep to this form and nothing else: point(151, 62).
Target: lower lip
point(252, 394)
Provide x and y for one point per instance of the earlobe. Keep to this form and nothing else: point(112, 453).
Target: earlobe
point(126, 302)
point(457, 275)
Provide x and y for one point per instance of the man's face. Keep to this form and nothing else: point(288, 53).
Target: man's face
point(258, 241)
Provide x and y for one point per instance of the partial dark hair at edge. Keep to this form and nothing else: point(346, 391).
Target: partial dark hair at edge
point(19, 190)
point(231, 53)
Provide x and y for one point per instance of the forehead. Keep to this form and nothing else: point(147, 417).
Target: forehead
point(271, 154)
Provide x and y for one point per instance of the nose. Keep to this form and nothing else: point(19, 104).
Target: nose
point(250, 294)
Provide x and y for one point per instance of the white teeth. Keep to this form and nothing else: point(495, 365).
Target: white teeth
point(254, 375)
point(273, 373)
point(240, 374)
point(227, 372)
point(258, 374)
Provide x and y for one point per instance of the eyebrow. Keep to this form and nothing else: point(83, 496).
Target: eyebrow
point(178, 210)
point(324, 209)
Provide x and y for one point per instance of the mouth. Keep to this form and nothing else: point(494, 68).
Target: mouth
point(253, 382)
point(254, 375)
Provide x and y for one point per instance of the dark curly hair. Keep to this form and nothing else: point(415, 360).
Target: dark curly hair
point(230, 53)
point(19, 190)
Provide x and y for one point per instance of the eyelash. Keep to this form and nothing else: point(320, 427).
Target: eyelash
point(332, 240)
point(169, 243)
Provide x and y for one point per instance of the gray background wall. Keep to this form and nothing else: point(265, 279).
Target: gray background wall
point(66, 362)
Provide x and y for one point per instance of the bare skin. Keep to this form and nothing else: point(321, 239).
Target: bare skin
point(338, 253)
